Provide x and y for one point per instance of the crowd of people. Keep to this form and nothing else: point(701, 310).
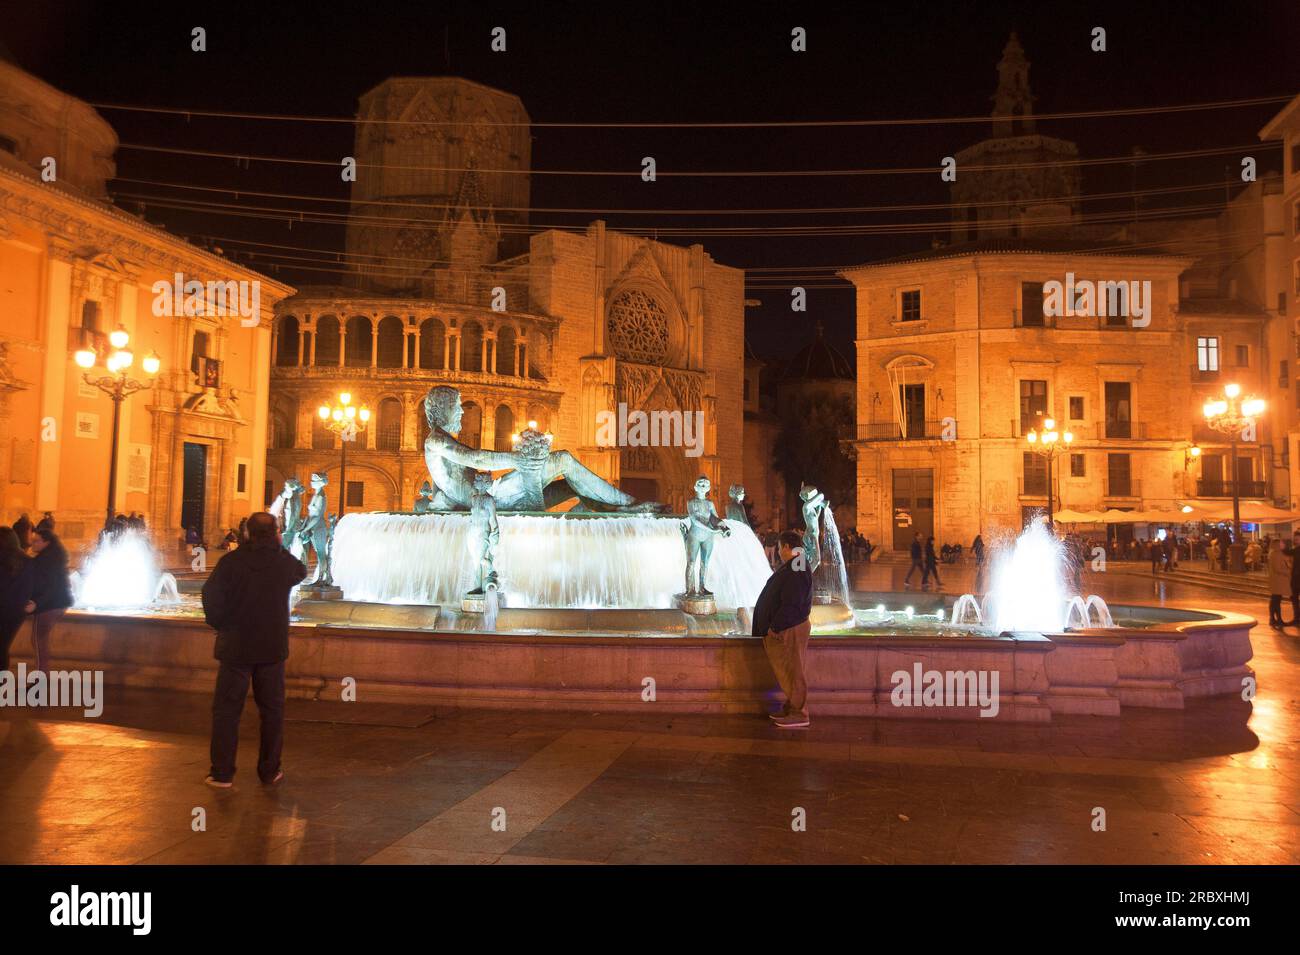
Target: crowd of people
point(33, 584)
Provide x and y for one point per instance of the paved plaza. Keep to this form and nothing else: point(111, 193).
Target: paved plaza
point(1216, 783)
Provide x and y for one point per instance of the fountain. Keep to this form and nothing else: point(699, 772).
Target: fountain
point(503, 599)
point(122, 573)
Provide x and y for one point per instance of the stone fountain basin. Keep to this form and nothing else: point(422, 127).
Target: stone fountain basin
point(1172, 656)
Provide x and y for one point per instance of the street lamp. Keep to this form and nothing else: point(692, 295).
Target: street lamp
point(118, 385)
point(1232, 415)
point(1049, 443)
point(347, 421)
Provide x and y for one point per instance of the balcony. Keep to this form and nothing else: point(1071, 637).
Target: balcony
point(889, 431)
point(1220, 488)
point(1122, 488)
point(1208, 376)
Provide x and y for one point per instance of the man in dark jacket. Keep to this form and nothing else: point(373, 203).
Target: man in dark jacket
point(246, 600)
point(781, 619)
point(918, 562)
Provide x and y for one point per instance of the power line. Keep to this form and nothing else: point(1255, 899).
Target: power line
point(723, 173)
point(764, 124)
point(796, 210)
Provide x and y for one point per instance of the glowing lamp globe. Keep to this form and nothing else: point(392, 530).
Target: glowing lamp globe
point(85, 358)
point(118, 337)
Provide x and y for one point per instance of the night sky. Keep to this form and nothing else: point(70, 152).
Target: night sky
point(642, 62)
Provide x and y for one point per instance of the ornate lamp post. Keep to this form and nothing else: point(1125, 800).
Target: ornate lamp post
point(1232, 415)
point(347, 421)
point(118, 385)
point(1048, 443)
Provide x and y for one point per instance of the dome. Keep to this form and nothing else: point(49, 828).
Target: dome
point(818, 360)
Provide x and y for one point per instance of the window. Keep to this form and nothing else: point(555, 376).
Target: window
point(1031, 304)
point(90, 315)
point(912, 398)
point(388, 427)
point(8, 145)
point(1033, 404)
point(1295, 218)
point(909, 305)
point(1076, 407)
point(1035, 474)
point(1243, 356)
point(1284, 374)
point(268, 493)
point(1078, 465)
point(1207, 354)
point(1119, 482)
point(241, 478)
point(198, 351)
point(356, 493)
point(1119, 409)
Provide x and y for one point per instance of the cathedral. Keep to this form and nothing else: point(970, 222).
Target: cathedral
point(551, 329)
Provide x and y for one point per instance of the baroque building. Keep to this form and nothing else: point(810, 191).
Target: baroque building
point(959, 359)
point(74, 269)
point(565, 332)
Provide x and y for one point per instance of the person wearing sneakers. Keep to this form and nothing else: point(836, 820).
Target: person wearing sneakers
point(246, 600)
point(781, 619)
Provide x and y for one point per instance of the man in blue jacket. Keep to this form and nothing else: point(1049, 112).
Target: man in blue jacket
point(781, 619)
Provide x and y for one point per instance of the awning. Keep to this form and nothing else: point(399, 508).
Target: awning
point(1251, 513)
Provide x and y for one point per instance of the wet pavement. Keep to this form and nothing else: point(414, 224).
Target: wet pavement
point(1216, 783)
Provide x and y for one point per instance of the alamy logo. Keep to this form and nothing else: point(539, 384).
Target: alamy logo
point(654, 429)
point(1131, 300)
point(946, 688)
point(75, 907)
point(72, 688)
point(220, 299)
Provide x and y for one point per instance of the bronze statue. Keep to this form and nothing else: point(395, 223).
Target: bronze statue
point(538, 478)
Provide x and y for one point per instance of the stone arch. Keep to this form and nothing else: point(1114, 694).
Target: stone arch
point(388, 425)
point(392, 339)
point(471, 424)
point(471, 347)
point(327, 340)
point(506, 339)
point(284, 422)
point(433, 336)
point(359, 342)
point(286, 342)
point(504, 426)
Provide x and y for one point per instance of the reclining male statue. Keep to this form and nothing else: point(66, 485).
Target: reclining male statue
point(539, 478)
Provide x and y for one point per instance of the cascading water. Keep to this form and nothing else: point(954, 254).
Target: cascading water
point(599, 561)
point(966, 611)
point(121, 573)
point(831, 575)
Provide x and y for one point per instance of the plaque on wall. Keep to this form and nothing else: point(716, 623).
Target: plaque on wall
point(87, 425)
point(137, 468)
point(87, 390)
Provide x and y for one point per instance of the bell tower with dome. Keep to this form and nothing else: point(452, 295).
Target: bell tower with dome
point(1023, 182)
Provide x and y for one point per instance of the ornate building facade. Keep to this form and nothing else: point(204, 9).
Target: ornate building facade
point(576, 330)
point(958, 358)
point(75, 269)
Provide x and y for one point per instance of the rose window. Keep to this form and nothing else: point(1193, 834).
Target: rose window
point(638, 328)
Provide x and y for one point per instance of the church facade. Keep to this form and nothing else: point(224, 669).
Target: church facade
point(572, 331)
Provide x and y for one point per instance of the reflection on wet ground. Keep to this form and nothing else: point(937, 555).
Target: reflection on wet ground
point(1216, 783)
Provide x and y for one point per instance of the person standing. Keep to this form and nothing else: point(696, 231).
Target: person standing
point(977, 548)
point(931, 565)
point(15, 591)
point(246, 600)
point(781, 619)
point(51, 591)
point(1279, 582)
point(918, 563)
point(23, 528)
